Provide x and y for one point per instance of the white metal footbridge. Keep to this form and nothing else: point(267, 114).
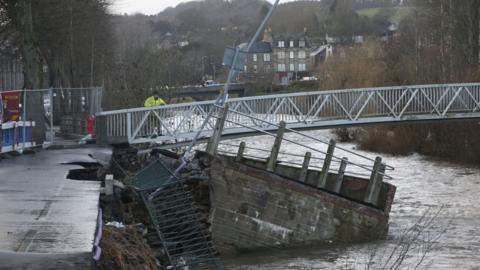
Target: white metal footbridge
point(307, 110)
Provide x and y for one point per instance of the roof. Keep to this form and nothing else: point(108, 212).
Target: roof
point(295, 37)
point(319, 50)
point(258, 47)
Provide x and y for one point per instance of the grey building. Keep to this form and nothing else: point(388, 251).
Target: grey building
point(278, 59)
point(291, 56)
point(259, 66)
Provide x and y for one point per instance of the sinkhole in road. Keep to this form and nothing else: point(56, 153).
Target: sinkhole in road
point(91, 171)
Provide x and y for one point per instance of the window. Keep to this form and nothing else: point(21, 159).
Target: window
point(301, 44)
point(255, 58)
point(266, 57)
point(255, 68)
point(281, 55)
point(292, 44)
point(281, 44)
point(292, 54)
point(245, 68)
point(301, 55)
point(302, 67)
point(292, 67)
point(281, 67)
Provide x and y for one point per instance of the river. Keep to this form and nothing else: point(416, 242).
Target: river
point(444, 193)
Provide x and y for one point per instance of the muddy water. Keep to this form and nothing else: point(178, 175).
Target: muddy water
point(445, 192)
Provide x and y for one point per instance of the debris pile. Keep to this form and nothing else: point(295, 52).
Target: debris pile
point(125, 248)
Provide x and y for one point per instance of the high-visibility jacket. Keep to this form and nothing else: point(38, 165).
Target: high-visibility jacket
point(152, 102)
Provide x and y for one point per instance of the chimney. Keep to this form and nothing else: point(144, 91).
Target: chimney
point(267, 35)
point(305, 30)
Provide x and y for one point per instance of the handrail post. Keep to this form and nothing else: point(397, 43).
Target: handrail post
point(340, 175)
point(306, 163)
point(272, 160)
point(375, 184)
point(241, 150)
point(217, 133)
point(322, 182)
point(129, 127)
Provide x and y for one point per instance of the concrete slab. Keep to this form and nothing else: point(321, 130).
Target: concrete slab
point(43, 212)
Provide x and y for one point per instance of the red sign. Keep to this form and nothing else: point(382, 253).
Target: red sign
point(11, 108)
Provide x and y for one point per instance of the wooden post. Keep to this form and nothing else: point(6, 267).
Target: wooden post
point(241, 150)
point(322, 182)
point(341, 174)
point(375, 184)
point(272, 160)
point(217, 132)
point(304, 172)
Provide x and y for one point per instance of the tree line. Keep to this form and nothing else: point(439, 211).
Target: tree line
point(437, 43)
point(61, 43)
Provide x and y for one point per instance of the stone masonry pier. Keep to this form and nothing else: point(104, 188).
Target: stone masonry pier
point(253, 208)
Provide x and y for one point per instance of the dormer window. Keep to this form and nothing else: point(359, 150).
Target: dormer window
point(301, 44)
point(281, 44)
point(292, 44)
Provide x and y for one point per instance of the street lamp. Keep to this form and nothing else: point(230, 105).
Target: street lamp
point(214, 68)
point(203, 66)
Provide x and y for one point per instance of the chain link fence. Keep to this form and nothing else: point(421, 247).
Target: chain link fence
point(56, 113)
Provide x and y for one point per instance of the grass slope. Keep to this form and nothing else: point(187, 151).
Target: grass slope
point(395, 14)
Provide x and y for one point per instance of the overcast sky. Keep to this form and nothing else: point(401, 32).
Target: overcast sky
point(148, 6)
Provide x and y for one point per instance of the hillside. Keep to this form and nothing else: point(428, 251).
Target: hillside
point(286, 19)
point(331, 17)
point(394, 14)
point(214, 14)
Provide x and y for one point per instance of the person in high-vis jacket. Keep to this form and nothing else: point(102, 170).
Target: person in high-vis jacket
point(154, 101)
point(151, 102)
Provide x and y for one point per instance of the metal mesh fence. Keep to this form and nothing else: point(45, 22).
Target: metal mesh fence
point(55, 113)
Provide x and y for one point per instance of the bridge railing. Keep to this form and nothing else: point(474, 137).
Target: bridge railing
point(300, 111)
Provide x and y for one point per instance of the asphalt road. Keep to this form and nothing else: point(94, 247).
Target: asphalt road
point(45, 217)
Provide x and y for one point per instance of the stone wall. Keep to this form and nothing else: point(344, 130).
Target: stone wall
point(252, 208)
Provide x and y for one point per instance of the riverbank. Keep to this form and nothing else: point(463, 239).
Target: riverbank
point(456, 142)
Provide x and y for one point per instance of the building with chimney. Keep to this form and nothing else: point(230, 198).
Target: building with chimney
point(281, 58)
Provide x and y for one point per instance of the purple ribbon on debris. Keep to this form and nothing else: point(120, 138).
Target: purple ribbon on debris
point(97, 251)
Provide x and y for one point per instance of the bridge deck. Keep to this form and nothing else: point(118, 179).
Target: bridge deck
point(43, 212)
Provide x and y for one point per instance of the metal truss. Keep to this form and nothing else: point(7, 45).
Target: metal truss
point(308, 110)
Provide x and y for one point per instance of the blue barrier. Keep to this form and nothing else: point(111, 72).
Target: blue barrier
point(12, 136)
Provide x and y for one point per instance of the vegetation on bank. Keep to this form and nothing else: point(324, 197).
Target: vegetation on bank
point(437, 43)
